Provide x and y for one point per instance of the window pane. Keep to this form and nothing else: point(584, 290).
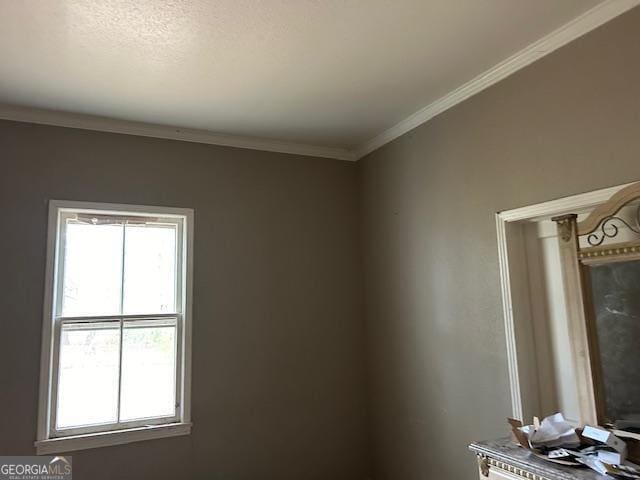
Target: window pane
point(150, 269)
point(148, 370)
point(88, 386)
point(92, 270)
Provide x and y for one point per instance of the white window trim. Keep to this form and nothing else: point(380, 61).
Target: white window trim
point(45, 444)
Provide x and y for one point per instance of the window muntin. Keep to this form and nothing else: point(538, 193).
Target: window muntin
point(118, 326)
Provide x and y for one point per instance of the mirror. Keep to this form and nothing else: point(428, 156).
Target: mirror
point(600, 259)
point(614, 330)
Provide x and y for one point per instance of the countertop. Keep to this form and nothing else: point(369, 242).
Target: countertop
point(506, 451)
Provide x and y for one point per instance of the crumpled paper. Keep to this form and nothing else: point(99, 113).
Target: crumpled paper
point(554, 431)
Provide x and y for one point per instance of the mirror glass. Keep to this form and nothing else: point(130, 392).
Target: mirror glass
point(615, 292)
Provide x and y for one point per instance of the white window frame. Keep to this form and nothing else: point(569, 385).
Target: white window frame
point(48, 439)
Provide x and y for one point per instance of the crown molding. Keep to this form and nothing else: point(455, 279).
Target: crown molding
point(588, 21)
point(104, 124)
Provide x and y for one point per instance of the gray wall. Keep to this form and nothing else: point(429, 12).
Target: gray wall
point(280, 345)
point(278, 364)
point(569, 123)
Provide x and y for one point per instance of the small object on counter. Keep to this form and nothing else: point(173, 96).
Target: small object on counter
point(518, 434)
point(622, 472)
point(557, 441)
point(554, 431)
point(613, 458)
point(604, 436)
point(559, 453)
point(593, 463)
point(604, 467)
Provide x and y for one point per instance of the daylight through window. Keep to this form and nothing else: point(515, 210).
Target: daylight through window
point(118, 305)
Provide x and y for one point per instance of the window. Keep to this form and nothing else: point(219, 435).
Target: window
point(116, 337)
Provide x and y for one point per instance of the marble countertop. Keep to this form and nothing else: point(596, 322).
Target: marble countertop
point(505, 450)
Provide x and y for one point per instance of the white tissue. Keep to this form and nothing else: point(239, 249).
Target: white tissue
point(554, 431)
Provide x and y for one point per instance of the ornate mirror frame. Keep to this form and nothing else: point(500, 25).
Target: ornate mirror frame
point(602, 224)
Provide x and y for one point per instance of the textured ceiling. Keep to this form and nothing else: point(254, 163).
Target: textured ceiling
point(330, 72)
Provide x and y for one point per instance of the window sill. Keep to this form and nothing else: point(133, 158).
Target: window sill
point(106, 439)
